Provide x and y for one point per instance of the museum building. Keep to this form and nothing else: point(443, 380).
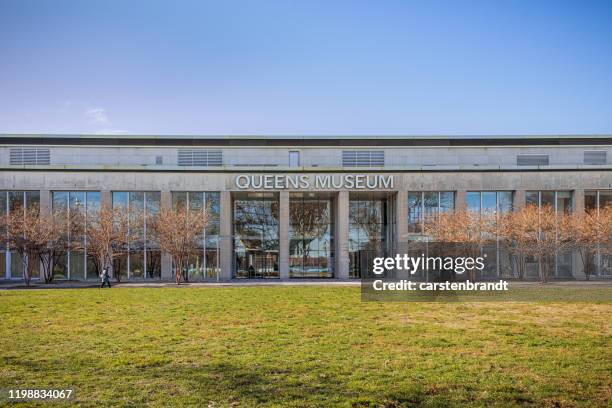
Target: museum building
point(308, 207)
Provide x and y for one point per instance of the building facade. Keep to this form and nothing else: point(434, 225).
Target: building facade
point(298, 207)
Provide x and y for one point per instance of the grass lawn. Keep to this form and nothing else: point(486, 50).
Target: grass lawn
point(301, 346)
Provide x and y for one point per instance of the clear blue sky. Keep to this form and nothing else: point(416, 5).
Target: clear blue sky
point(306, 67)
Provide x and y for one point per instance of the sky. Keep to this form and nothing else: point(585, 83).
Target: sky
point(307, 67)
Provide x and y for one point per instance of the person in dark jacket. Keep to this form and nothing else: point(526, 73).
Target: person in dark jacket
point(105, 278)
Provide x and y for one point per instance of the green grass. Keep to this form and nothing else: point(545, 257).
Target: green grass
point(302, 346)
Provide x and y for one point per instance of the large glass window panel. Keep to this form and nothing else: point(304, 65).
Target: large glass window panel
point(256, 232)
point(368, 225)
point(32, 199)
point(179, 199)
point(532, 198)
point(473, 201)
point(137, 265)
point(16, 200)
point(504, 201)
point(16, 265)
point(2, 264)
point(564, 201)
point(605, 198)
point(141, 206)
point(489, 202)
point(547, 198)
point(414, 212)
point(153, 264)
point(447, 201)
point(77, 265)
point(310, 232)
point(590, 200)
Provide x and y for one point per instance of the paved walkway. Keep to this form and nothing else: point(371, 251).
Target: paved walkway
point(7, 285)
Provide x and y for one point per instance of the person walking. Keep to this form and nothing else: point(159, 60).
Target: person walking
point(105, 278)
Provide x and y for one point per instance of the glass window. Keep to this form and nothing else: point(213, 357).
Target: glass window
point(472, 199)
point(12, 201)
point(141, 205)
point(605, 198)
point(368, 223)
point(559, 200)
point(256, 235)
point(206, 264)
point(590, 200)
point(422, 205)
point(311, 235)
point(294, 159)
point(76, 265)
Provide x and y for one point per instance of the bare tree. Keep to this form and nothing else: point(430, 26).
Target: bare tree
point(516, 234)
point(23, 228)
point(107, 234)
point(179, 232)
point(466, 231)
point(52, 242)
point(592, 232)
point(544, 233)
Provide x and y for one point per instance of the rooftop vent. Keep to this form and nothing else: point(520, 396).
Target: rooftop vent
point(29, 155)
point(595, 157)
point(200, 157)
point(532, 160)
point(363, 158)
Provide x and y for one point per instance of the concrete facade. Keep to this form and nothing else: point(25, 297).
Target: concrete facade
point(459, 169)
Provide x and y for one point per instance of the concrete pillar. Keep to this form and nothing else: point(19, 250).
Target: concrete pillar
point(226, 244)
point(45, 202)
point(578, 201)
point(283, 256)
point(166, 258)
point(401, 219)
point(460, 200)
point(342, 235)
point(518, 200)
point(401, 228)
point(106, 198)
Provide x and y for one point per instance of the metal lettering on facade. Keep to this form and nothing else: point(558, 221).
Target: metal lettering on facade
point(316, 182)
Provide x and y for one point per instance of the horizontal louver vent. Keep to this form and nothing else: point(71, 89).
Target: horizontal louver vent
point(200, 157)
point(29, 155)
point(532, 160)
point(365, 158)
point(595, 157)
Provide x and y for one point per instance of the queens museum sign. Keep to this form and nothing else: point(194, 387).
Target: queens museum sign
point(313, 181)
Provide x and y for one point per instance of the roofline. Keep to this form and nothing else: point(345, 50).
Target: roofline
point(305, 140)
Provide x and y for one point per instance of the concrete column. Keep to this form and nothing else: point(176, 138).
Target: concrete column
point(578, 201)
point(45, 202)
point(518, 200)
point(342, 234)
point(401, 228)
point(226, 244)
point(166, 258)
point(106, 198)
point(460, 200)
point(283, 256)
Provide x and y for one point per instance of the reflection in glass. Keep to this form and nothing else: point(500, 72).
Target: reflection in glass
point(422, 205)
point(204, 265)
point(76, 265)
point(256, 235)
point(311, 235)
point(12, 201)
point(141, 207)
point(368, 223)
